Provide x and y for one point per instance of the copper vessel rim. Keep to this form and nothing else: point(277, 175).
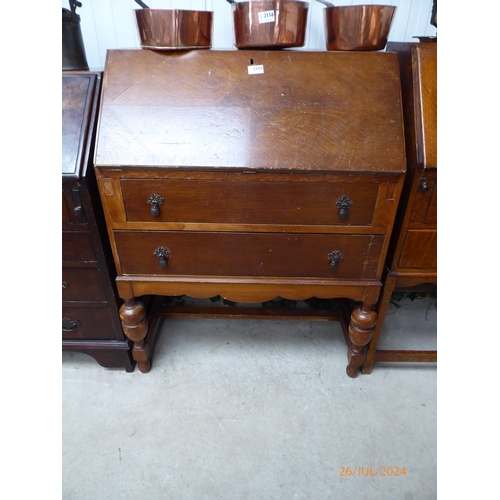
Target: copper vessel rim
point(173, 10)
point(367, 5)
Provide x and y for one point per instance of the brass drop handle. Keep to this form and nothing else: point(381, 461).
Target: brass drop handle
point(343, 204)
point(69, 325)
point(155, 201)
point(335, 257)
point(162, 254)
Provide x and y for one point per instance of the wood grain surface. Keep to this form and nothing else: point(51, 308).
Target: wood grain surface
point(314, 111)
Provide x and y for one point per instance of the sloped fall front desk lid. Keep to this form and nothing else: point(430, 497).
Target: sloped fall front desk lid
point(252, 110)
point(77, 104)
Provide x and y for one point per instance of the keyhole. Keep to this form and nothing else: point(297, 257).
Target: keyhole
point(251, 61)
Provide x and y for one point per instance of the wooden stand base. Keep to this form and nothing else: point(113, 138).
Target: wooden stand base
point(357, 326)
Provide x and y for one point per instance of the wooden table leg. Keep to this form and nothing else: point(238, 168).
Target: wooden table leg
point(382, 306)
point(361, 327)
point(135, 326)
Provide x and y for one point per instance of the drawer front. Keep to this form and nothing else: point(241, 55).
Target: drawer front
point(82, 284)
point(87, 323)
point(419, 249)
point(77, 246)
point(249, 254)
point(424, 210)
point(250, 202)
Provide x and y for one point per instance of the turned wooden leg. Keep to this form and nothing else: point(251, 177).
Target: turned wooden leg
point(383, 304)
point(135, 326)
point(361, 326)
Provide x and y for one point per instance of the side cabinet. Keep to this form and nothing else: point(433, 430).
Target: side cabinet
point(90, 303)
point(411, 263)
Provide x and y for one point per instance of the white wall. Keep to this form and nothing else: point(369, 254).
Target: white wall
point(110, 24)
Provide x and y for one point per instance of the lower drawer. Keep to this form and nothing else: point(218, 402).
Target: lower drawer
point(77, 246)
point(419, 249)
point(82, 284)
point(87, 323)
point(249, 254)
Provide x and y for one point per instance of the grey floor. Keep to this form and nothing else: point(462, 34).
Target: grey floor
point(246, 409)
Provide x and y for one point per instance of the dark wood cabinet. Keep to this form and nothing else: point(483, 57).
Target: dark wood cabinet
point(412, 257)
point(218, 181)
point(90, 302)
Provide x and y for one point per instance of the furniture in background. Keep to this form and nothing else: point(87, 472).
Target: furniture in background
point(90, 303)
point(250, 175)
point(412, 256)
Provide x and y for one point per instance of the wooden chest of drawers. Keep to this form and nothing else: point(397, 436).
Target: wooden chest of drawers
point(90, 303)
point(218, 179)
point(412, 255)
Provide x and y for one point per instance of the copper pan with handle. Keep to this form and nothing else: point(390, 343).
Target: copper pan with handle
point(357, 27)
point(269, 24)
point(174, 29)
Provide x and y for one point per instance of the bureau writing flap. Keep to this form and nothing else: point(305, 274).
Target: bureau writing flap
point(308, 111)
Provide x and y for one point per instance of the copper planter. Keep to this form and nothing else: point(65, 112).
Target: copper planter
point(174, 29)
point(358, 27)
point(269, 24)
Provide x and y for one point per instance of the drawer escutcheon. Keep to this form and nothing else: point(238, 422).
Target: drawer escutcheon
point(335, 257)
point(343, 204)
point(162, 254)
point(69, 325)
point(155, 201)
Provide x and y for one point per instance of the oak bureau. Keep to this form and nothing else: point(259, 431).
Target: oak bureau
point(250, 175)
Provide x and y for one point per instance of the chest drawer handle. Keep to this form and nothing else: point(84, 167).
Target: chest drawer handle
point(335, 257)
point(423, 186)
point(162, 254)
point(69, 325)
point(65, 285)
point(155, 201)
point(343, 204)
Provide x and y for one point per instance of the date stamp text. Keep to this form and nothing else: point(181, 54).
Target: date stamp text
point(370, 471)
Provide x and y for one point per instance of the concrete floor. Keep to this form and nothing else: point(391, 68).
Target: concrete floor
point(246, 409)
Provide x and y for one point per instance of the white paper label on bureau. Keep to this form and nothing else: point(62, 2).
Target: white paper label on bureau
point(266, 16)
point(256, 69)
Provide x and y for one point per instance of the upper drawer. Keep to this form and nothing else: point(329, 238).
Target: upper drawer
point(424, 209)
point(249, 254)
point(247, 201)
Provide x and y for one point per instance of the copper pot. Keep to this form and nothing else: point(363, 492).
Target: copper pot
point(174, 29)
point(358, 27)
point(266, 24)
